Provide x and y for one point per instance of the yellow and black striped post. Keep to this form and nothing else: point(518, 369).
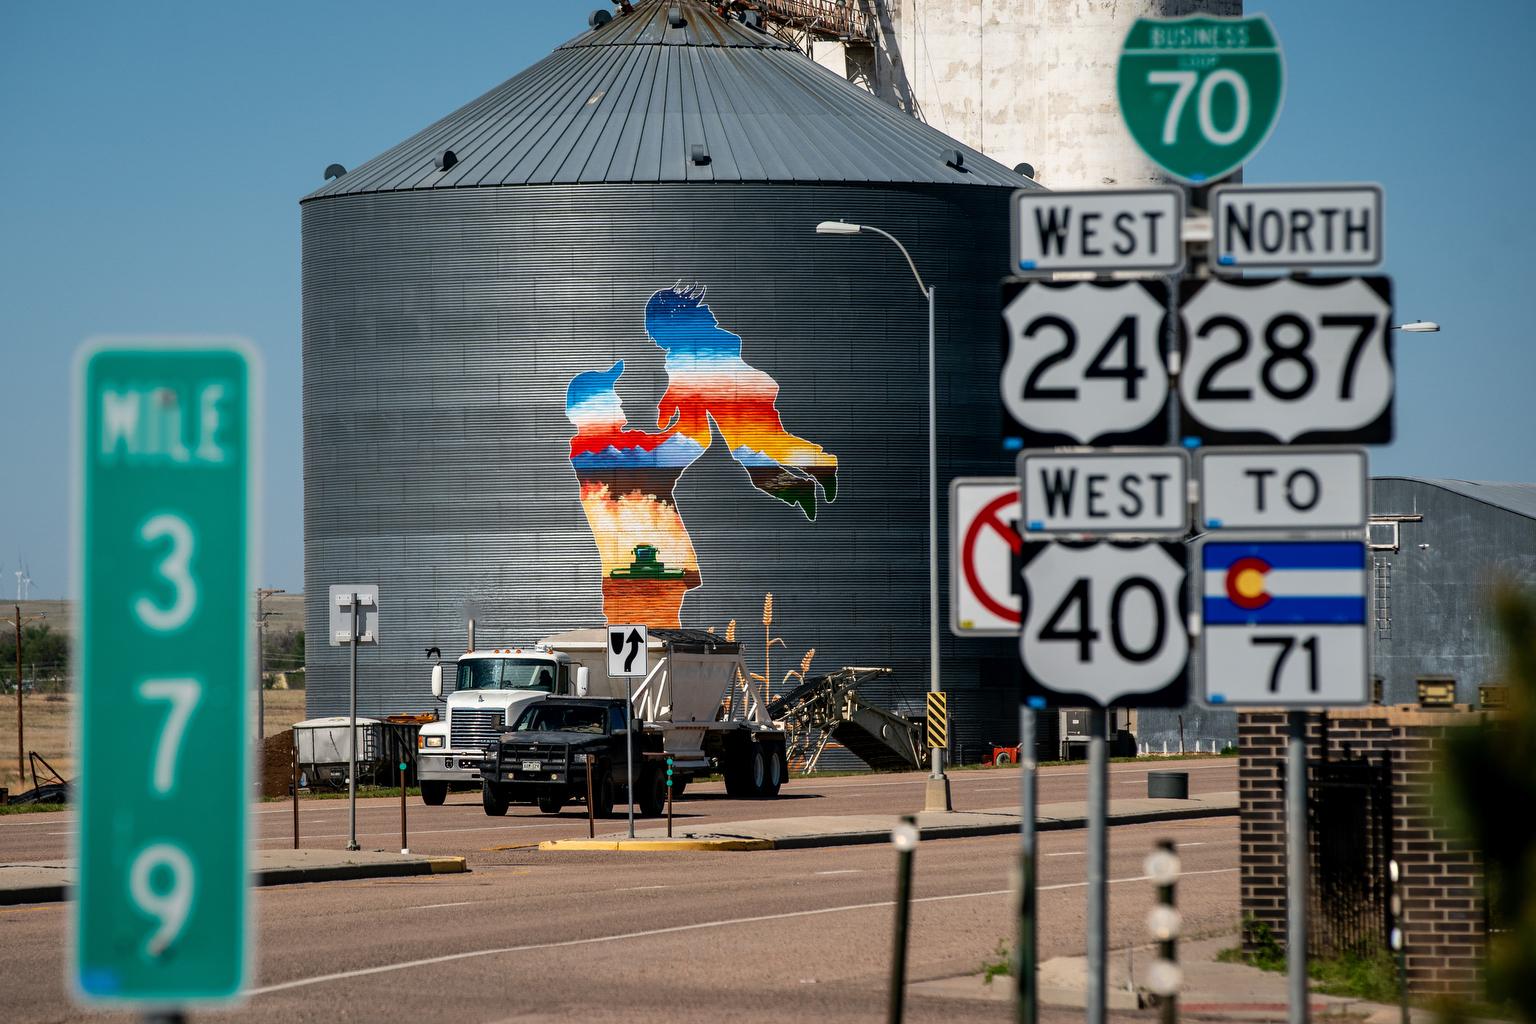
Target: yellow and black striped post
point(938, 718)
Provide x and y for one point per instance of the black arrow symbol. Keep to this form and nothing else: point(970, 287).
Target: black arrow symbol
point(634, 648)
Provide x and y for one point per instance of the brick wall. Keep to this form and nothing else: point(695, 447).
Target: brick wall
point(1442, 881)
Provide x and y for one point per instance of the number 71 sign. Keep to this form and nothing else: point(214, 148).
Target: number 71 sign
point(165, 458)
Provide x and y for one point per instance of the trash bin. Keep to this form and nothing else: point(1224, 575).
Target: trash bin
point(1168, 785)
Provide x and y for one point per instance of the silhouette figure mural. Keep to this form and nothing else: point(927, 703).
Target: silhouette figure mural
point(627, 476)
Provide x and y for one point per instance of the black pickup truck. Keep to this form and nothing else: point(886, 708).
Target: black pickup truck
point(543, 758)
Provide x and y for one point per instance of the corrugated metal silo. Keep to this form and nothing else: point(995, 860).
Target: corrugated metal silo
point(605, 322)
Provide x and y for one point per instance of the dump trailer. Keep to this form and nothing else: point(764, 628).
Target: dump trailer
point(698, 696)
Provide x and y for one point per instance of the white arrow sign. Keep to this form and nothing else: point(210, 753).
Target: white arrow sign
point(1288, 359)
point(1085, 363)
point(1105, 622)
point(1103, 231)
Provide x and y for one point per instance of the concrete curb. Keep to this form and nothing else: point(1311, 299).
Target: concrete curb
point(51, 891)
point(743, 840)
point(656, 845)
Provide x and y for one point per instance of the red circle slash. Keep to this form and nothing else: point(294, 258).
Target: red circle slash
point(987, 517)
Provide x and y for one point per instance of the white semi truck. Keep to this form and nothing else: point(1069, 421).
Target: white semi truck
point(697, 694)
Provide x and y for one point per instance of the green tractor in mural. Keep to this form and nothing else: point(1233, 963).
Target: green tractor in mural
point(646, 566)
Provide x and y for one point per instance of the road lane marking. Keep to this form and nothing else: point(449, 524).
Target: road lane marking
point(642, 888)
point(363, 972)
point(439, 906)
point(1068, 853)
point(842, 871)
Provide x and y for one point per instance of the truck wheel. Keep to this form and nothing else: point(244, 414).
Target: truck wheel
point(773, 770)
point(551, 804)
point(738, 770)
point(492, 799)
point(433, 792)
point(602, 796)
point(653, 794)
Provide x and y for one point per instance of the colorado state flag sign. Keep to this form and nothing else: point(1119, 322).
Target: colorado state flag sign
point(1284, 582)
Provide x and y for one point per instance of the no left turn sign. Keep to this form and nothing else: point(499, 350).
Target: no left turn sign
point(984, 549)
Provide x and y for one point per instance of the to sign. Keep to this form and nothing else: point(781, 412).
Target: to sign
point(166, 667)
point(1105, 491)
point(1104, 622)
point(628, 649)
point(1200, 95)
point(1288, 359)
point(1296, 226)
point(1283, 488)
point(984, 549)
point(1284, 622)
point(1084, 363)
point(1103, 230)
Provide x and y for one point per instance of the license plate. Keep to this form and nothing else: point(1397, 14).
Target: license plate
point(532, 766)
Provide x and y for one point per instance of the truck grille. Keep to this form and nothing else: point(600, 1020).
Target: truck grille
point(474, 730)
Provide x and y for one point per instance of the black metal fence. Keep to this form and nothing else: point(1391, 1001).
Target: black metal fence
point(1349, 810)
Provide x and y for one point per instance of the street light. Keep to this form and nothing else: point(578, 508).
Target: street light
point(1419, 327)
point(937, 796)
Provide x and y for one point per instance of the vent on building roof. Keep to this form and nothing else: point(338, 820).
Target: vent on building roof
point(954, 158)
point(752, 19)
point(675, 17)
point(599, 18)
point(334, 171)
point(700, 155)
point(446, 159)
point(1028, 170)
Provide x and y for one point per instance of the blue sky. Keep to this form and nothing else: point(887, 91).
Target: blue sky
point(156, 154)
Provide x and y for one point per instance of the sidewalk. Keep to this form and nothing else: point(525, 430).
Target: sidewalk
point(1211, 990)
point(51, 881)
point(855, 829)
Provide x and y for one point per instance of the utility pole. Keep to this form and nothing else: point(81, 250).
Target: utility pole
point(262, 593)
point(21, 743)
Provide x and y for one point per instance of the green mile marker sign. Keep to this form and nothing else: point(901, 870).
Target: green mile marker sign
point(1200, 95)
point(166, 453)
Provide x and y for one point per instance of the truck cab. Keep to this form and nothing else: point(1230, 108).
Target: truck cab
point(484, 693)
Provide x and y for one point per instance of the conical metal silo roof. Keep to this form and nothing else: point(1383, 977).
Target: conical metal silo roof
point(673, 92)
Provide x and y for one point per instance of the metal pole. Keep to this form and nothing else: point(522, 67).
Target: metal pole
point(1296, 864)
point(669, 796)
point(591, 814)
point(405, 847)
point(939, 799)
point(295, 791)
point(1098, 858)
point(261, 670)
point(629, 749)
point(904, 838)
point(21, 742)
point(352, 741)
point(1168, 947)
point(1026, 1000)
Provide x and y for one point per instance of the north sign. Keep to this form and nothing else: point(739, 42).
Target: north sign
point(1296, 226)
point(1103, 622)
point(166, 463)
point(1287, 360)
point(1199, 94)
point(1085, 363)
point(1105, 491)
point(984, 547)
point(1103, 231)
point(1283, 488)
point(1283, 622)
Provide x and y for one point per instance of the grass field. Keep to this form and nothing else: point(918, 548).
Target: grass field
point(46, 718)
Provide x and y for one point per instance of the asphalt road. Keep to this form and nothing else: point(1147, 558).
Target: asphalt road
point(531, 936)
point(461, 827)
point(660, 937)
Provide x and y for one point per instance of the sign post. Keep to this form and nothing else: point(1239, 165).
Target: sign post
point(166, 456)
point(628, 655)
point(354, 622)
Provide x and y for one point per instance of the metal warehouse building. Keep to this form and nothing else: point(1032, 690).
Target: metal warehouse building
point(575, 352)
point(1438, 547)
